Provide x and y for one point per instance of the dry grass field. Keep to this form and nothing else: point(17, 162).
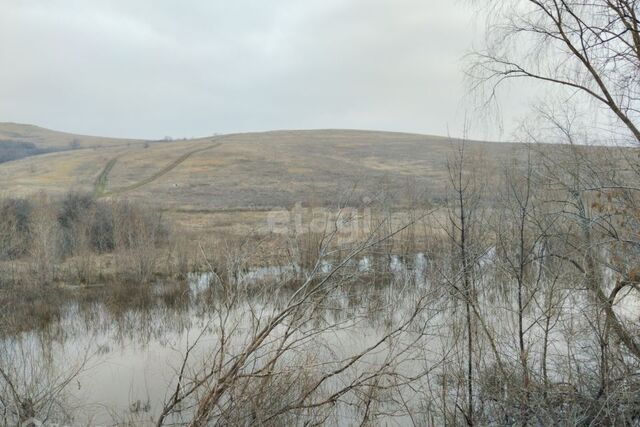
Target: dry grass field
point(232, 180)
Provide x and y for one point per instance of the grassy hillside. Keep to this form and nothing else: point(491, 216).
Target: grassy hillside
point(249, 171)
point(231, 180)
point(50, 139)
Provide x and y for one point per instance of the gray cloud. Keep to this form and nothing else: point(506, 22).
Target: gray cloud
point(152, 68)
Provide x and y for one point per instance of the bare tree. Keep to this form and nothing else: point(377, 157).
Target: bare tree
point(465, 217)
point(44, 248)
point(589, 47)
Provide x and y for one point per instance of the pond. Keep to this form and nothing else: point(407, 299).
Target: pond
point(103, 364)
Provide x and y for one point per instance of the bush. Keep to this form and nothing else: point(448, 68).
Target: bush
point(87, 224)
point(14, 228)
point(137, 227)
point(74, 217)
point(47, 231)
point(101, 232)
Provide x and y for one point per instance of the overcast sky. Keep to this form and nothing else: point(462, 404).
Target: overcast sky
point(154, 68)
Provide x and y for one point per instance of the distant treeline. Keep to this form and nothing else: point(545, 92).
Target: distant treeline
point(14, 150)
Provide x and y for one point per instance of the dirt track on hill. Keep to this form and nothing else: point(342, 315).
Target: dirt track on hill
point(102, 179)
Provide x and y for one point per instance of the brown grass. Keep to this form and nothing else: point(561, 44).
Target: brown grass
point(229, 188)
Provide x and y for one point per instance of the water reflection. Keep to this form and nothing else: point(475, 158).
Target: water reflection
point(131, 341)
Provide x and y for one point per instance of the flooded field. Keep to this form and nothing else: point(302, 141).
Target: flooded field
point(364, 340)
point(99, 365)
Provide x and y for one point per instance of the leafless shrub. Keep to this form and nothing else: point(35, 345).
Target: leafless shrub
point(62, 239)
point(31, 389)
point(45, 236)
point(14, 228)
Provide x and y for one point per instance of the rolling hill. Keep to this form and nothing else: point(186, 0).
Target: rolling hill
point(51, 139)
point(222, 178)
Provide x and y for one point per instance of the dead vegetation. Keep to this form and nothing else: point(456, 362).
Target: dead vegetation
point(77, 240)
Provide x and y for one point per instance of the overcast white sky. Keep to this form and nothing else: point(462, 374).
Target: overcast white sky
point(150, 68)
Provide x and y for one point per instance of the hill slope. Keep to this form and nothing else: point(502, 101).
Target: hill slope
point(247, 171)
point(51, 139)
